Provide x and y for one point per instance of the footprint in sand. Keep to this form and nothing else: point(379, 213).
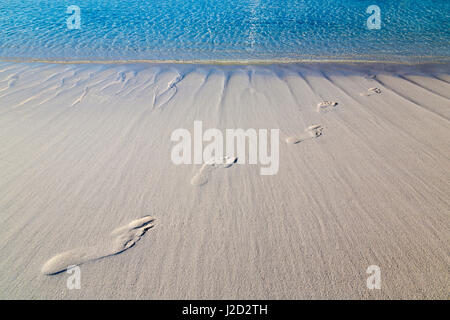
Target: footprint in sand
point(326, 106)
point(371, 91)
point(312, 132)
point(204, 173)
point(123, 238)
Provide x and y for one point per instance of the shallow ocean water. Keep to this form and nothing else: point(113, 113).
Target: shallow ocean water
point(225, 30)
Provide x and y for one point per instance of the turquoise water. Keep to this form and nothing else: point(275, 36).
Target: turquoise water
point(225, 30)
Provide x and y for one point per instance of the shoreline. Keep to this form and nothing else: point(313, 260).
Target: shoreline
point(212, 62)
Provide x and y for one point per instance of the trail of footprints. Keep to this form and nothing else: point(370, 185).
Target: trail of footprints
point(127, 236)
point(315, 131)
point(122, 238)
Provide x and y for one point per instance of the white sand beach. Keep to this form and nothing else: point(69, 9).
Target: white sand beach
point(85, 149)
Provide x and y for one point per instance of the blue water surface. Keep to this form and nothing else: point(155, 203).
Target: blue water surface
point(225, 30)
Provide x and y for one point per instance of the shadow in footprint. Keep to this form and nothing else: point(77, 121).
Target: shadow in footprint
point(123, 238)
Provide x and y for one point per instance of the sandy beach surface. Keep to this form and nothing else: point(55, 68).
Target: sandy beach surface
point(86, 177)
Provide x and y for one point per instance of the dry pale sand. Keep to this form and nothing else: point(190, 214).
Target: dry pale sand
point(85, 149)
